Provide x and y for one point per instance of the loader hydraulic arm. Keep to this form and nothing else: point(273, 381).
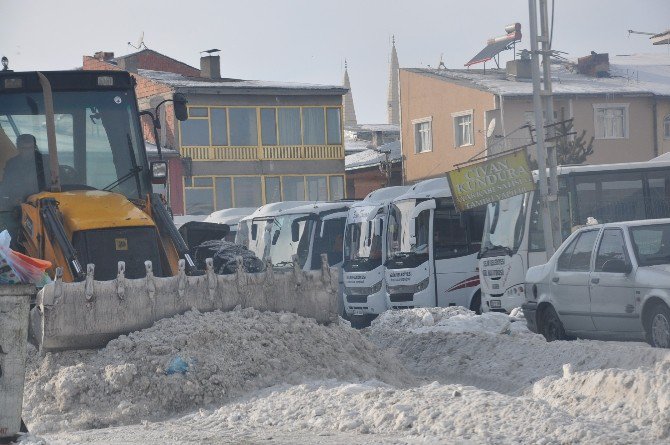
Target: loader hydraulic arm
point(167, 227)
point(53, 223)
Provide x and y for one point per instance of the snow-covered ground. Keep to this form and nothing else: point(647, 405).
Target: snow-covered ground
point(440, 375)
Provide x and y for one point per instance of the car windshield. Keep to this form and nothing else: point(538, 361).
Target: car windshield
point(504, 224)
point(98, 144)
point(651, 244)
point(289, 235)
point(362, 246)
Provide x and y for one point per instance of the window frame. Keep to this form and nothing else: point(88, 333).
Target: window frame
point(416, 123)
point(458, 130)
point(666, 127)
point(600, 243)
point(571, 246)
point(608, 106)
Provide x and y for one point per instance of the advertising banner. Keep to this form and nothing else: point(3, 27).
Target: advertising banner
point(492, 180)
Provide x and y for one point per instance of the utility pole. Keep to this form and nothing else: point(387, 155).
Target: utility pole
point(547, 94)
point(540, 134)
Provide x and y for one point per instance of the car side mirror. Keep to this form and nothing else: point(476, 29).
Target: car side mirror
point(617, 266)
point(179, 102)
point(159, 172)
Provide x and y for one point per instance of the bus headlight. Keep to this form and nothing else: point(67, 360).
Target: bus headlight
point(409, 289)
point(363, 290)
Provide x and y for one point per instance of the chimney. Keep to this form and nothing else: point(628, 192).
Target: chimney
point(104, 56)
point(594, 65)
point(210, 66)
point(518, 69)
point(128, 64)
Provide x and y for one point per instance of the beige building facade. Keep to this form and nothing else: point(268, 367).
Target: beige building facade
point(447, 114)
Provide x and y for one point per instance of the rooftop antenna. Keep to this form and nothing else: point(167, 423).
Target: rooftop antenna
point(441, 65)
point(140, 43)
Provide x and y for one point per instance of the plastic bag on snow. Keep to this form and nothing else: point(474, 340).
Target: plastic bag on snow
point(17, 268)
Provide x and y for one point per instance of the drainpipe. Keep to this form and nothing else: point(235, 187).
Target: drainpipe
point(654, 112)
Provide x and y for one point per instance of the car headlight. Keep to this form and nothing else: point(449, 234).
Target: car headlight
point(364, 290)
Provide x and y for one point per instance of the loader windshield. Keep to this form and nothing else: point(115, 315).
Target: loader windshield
point(97, 137)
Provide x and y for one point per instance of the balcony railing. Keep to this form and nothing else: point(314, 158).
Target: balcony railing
point(279, 152)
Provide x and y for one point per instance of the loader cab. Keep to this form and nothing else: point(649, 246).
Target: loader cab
point(98, 138)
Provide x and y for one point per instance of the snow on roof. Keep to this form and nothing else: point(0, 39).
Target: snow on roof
point(152, 150)
point(179, 81)
point(630, 74)
point(374, 127)
point(351, 145)
point(370, 158)
point(429, 188)
point(664, 158)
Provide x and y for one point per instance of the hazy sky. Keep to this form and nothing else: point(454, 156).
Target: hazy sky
point(308, 40)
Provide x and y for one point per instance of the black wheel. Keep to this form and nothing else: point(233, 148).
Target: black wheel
point(476, 303)
point(552, 328)
point(658, 326)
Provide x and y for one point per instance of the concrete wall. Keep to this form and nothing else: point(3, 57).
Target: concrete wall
point(422, 96)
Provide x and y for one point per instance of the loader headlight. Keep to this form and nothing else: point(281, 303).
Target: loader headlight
point(363, 290)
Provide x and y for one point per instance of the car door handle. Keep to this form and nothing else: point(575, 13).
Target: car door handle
point(595, 280)
point(555, 279)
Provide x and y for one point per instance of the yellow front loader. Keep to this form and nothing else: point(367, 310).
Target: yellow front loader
point(76, 189)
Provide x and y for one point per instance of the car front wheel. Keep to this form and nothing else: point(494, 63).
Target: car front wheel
point(658, 326)
point(552, 328)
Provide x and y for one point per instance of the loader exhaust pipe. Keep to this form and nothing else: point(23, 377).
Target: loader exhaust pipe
point(51, 131)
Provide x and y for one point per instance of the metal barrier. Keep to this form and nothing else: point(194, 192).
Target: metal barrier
point(14, 307)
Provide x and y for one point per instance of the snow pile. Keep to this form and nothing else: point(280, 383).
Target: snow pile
point(371, 412)
point(453, 320)
point(461, 347)
point(637, 398)
point(224, 354)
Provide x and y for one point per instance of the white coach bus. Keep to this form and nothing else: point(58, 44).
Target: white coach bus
point(364, 256)
point(513, 239)
point(432, 249)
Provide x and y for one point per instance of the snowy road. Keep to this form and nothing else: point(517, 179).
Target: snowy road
point(419, 376)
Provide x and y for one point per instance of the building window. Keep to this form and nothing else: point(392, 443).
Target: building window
point(336, 187)
point(313, 126)
point(666, 127)
point(334, 127)
point(289, 126)
point(243, 127)
point(272, 189)
point(611, 121)
point(219, 123)
point(195, 132)
point(317, 188)
point(423, 138)
point(248, 191)
point(224, 193)
point(199, 201)
point(294, 188)
point(268, 126)
point(197, 112)
point(463, 129)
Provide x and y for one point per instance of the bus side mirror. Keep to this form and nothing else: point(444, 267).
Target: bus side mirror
point(159, 172)
point(295, 231)
point(378, 227)
point(180, 111)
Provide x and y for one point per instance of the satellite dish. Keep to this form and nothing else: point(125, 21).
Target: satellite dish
point(491, 128)
point(140, 41)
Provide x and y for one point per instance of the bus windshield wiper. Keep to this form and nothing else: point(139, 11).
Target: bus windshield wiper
point(487, 249)
point(283, 264)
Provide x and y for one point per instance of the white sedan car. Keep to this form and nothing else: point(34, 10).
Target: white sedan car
point(605, 281)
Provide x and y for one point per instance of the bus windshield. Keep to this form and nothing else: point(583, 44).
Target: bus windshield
point(504, 225)
point(398, 241)
point(98, 144)
point(362, 246)
point(289, 235)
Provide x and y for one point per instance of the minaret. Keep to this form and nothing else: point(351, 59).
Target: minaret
point(393, 96)
point(349, 111)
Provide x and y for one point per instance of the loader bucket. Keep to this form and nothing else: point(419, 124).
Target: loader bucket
point(86, 315)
